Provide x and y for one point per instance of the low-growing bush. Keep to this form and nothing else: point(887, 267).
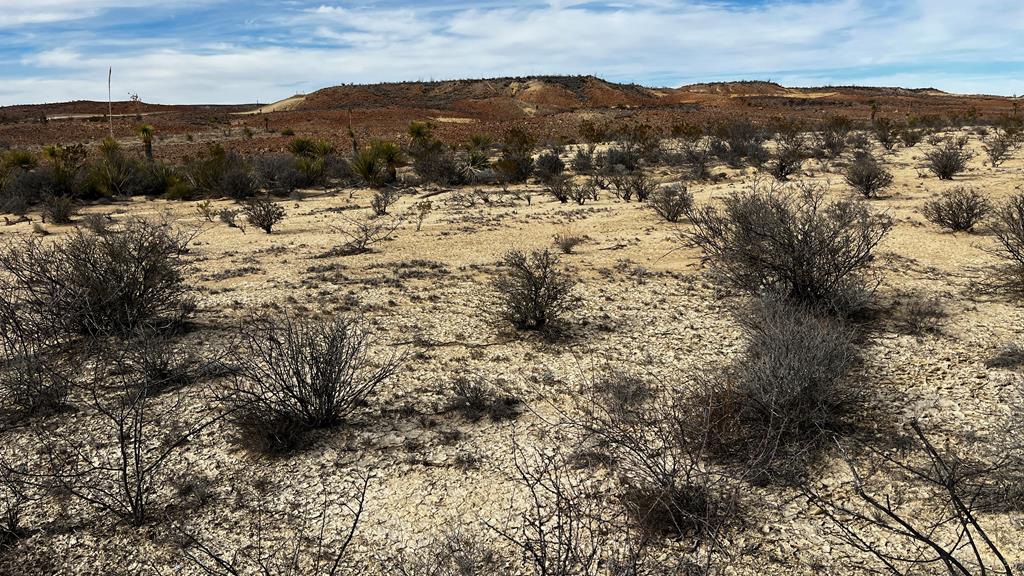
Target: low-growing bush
point(791, 242)
point(296, 375)
point(263, 213)
point(640, 185)
point(832, 137)
point(787, 393)
point(671, 202)
point(1000, 145)
point(948, 159)
point(474, 398)
point(567, 242)
point(516, 162)
point(886, 132)
point(279, 174)
point(959, 210)
point(377, 164)
point(738, 141)
point(111, 284)
point(533, 292)
point(548, 166)
point(382, 200)
point(220, 173)
point(57, 209)
point(1008, 228)
point(868, 176)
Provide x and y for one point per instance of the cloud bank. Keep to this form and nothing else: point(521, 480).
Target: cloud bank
point(210, 51)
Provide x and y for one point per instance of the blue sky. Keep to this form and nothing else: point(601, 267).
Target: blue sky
point(218, 51)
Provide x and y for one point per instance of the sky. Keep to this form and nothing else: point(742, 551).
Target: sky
point(220, 52)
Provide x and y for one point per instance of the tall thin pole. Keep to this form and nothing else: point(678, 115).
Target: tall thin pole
point(110, 102)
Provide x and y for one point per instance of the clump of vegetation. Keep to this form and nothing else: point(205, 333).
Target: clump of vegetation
point(533, 292)
point(791, 242)
point(959, 210)
point(58, 209)
point(1000, 145)
point(516, 162)
point(1008, 228)
point(671, 202)
point(739, 141)
point(295, 376)
point(787, 392)
point(377, 164)
point(263, 213)
point(474, 398)
point(549, 166)
point(868, 176)
point(432, 160)
point(788, 158)
point(111, 284)
point(886, 132)
point(832, 136)
point(220, 173)
point(279, 174)
point(567, 242)
point(948, 158)
point(382, 200)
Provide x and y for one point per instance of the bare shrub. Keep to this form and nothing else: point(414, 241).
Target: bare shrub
point(382, 200)
point(868, 176)
point(306, 550)
point(280, 174)
point(738, 141)
point(919, 315)
point(959, 210)
point(943, 532)
point(263, 213)
point(560, 187)
point(583, 160)
point(655, 440)
point(948, 159)
point(791, 242)
point(567, 242)
point(788, 158)
point(1000, 145)
point(230, 217)
point(58, 209)
point(580, 193)
point(1010, 355)
point(1008, 228)
point(832, 137)
point(533, 292)
point(455, 553)
point(13, 498)
point(112, 284)
point(548, 167)
point(787, 392)
point(473, 397)
point(671, 202)
point(35, 374)
point(299, 375)
point(361, 235)
point(641, 186)
point(886, 132)
point(122, 473)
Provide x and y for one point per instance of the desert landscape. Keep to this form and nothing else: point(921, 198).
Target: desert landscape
point(547, 325)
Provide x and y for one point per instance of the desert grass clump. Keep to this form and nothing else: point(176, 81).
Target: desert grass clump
point(959, 210)
point(791, 242)
point(949, 158)
point(533, 292)
point(671, 202)
point(114, 284)
point(787, 393)
point(263, 213)
point(295, 376)
point(868, 176)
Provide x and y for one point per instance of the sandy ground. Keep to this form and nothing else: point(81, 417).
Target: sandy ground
point(644, 305)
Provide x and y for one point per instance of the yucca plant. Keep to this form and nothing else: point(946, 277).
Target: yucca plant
point(146, 133)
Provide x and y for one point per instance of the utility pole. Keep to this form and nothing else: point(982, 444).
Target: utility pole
point(110, 103)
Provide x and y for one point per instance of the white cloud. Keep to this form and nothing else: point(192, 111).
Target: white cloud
point(675, 41)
